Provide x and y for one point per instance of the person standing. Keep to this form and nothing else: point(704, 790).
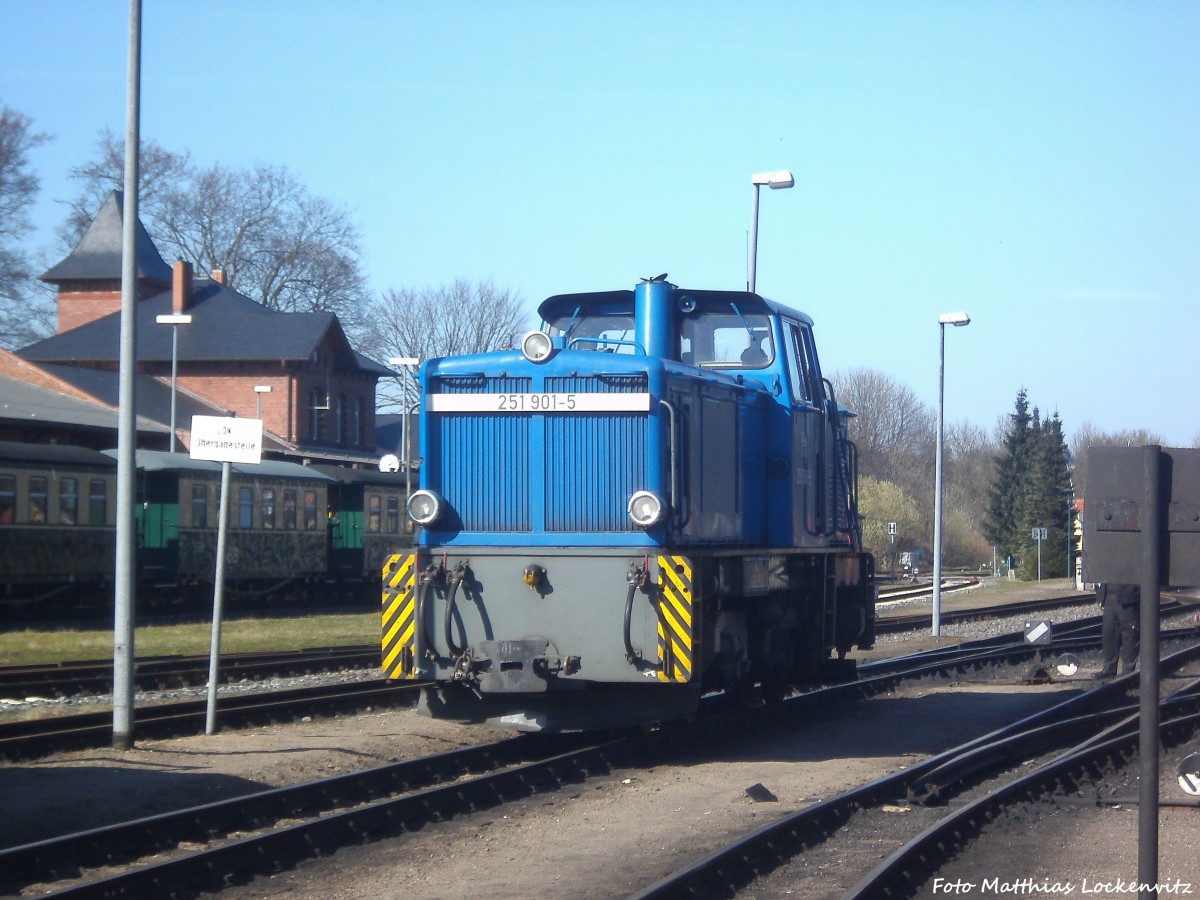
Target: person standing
point(1119, 628)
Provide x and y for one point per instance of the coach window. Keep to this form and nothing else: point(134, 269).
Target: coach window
point(393, 515)
point(199, 506)
point(289, 509)
point(37, 500)
point(268, 508)
point(68, 501)
point(8, 499)
point(310, 510)
point(97, 502)
point(245, 507)
point(374, 513)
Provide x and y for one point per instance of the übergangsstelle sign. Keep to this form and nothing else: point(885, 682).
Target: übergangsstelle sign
point(225, 439)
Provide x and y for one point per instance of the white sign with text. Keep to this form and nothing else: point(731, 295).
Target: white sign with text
point(225, 439)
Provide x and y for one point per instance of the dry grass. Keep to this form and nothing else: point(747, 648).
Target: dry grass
point(32, 646)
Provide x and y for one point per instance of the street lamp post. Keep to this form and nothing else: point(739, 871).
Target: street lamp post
point(259, 390)
point(957, 319)
point(174, 320)
point(776, 181)
point(406, 362)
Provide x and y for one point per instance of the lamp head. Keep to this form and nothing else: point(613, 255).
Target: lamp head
point(774, 180)
point(957, 319)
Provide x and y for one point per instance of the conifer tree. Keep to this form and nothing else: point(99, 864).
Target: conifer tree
point(1000, 524)
point(1031, 490)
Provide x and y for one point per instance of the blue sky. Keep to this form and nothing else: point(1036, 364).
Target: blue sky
point(1036, 164)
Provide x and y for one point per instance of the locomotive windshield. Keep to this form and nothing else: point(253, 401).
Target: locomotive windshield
point(726, 338)
point(713, 335)
point(610, 333)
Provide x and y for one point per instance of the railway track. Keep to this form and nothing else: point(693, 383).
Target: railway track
point(92, 677)
point(892, 623)
point(38, 737)
point(399, 798)
point(163, 673)
point(1071, 744)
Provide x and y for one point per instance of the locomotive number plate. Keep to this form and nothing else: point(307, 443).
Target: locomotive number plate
point(538, 403)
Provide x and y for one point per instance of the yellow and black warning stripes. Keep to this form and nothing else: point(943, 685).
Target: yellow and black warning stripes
point(675, 619)
point(400, 616)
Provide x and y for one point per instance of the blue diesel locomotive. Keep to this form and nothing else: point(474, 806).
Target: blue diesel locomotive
point(653, 498)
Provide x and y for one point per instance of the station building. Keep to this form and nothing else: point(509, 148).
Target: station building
point(296, 371)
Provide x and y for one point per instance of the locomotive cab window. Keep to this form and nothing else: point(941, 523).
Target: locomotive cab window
point(727, 339)
point(374, 513)
point(801, 370)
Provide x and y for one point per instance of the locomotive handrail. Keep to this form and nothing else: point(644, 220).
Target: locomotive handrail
point(834, 421)
point(615, 341)
point(673, 450)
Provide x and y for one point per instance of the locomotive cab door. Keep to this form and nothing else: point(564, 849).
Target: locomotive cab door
point(809, 456)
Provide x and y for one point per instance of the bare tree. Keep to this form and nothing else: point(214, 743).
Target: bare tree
point(277, 243)
point(161, 175)
point(1088, 435)
point(893, 429)
point(18, 189)
point(449, 320)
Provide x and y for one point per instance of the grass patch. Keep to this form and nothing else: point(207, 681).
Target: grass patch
point(32, 646)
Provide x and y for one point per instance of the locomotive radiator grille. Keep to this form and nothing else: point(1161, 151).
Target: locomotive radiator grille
point(675, 642)
point(528, 468)
point(400, 616)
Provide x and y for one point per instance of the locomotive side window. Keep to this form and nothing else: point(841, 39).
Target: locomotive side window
point(374, 513)
point(245, 507)
point(310, 510)
point(38, 488)
point(8, 499)
point(268, 508)
point(289, 509)
point(97, 502)
point(199, 506)
point(68, 501)
point(800, 363)
point(393, 515)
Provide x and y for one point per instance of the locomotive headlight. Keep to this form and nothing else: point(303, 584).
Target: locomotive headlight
point(646, 509)
point(424, 507)
point(537, 346)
